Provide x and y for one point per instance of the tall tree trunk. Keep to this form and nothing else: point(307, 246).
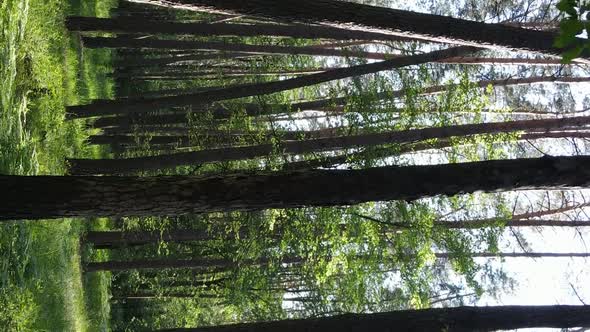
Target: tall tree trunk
point(112, 239)
point(146, 105)
point(386, 20)
point(181, 74)
point(130, 165)
point(326, 104)
point(519, 255)
point(459, 319)
point(43, 197)
point(203, 263)
point(228, 264)
point(379, 153)
point(168, 60)
point(128, 42)
point(191, 76)
point(230, 137)
point(502, 61)
point(130, 25)
point(192, 283)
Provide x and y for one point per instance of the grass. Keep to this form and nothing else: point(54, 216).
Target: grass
point(42, 69)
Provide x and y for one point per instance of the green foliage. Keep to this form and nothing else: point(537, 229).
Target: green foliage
point(17, 309)
point(574, 23)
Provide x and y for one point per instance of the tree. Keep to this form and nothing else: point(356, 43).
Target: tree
point(173, 44)
point(326, 104)
point(401, 23)
point(204, 263)
point(148, 104)
point(51, 197)
point(130, 165)
point(133, 25)
point(460, 319)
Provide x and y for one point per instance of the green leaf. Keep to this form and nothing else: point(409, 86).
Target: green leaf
point(568, 6)
point(563, 40)
point(571, 26)
point(572, 53)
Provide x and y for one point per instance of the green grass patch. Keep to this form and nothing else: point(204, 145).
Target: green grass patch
point(43, 69)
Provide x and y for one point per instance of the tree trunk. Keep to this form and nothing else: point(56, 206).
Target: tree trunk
point(128, 42)
point(396, 22)
point(229, 137)
point(228, 264)
point(323, 104)
point(174, 74)
point(191, 283)
point(198, 264)
point(459, 319)
point(130, 25)
point(130, 165)
point(132, 140)
point(146, 105)
point(42, 197)
point(502, 61)
point(519, 255)
point(111, 240)
point(163, 61)
point(379, 153)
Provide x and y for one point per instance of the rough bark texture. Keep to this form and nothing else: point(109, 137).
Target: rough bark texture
point(130, 25)
point(130, 165)
point(385, 20)
point(460, 319)
point(53, 196)
point(145, 105)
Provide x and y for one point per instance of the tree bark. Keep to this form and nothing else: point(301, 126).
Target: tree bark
point(229, 137)
point(164, 61)
point(174, 74)
point(129, 25)
point(502, 61)
point(128, 42)
point(132, 140)
point(130, 165)
point(326, 104)
point(331, 161)
point(43, 197)
point(203, 263)
point(459, 319)
point(112, 239)
point(396, 22)
point(145, 105)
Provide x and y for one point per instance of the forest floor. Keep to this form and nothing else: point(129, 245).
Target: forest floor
point(43, 69)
